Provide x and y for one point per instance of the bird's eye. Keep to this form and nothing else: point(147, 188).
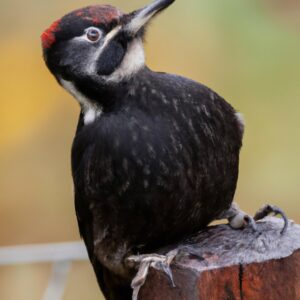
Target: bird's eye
point(93, 34)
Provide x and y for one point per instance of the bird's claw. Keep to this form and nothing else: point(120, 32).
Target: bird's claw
point(250, 222)
point(267, 210)
point(239, 219)
point(144, 262)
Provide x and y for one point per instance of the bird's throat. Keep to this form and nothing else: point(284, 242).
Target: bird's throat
point(90, 109)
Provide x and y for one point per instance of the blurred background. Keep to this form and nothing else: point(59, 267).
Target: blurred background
point(248, 51)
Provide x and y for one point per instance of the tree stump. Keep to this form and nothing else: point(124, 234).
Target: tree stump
point(221, 263)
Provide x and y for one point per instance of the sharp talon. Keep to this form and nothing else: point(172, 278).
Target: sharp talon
point(140, 278)
point(268, 209)
point(251, 223)
point(167, 270)
point(135, 294)
point(239, 219)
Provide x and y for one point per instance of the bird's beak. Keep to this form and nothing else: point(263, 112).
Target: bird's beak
point(139, 18)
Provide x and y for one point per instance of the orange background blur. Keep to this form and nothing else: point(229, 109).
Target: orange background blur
point(248, 51)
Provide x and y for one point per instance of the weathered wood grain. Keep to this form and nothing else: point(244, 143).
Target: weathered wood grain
point(221, 263)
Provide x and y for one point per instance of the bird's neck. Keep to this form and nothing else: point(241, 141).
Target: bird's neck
point(97, 94)
point(100, 93)
point(97, 97)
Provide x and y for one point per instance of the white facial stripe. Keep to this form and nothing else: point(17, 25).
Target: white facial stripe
point(112, 34)
point(92, 68)
point(90, 110)
point(133, 61)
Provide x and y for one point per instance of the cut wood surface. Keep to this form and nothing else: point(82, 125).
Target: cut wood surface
point(222, 263)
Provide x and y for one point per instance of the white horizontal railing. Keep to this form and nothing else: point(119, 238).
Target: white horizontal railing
point(61, 255)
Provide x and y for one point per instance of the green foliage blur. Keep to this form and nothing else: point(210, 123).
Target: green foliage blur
point(248, 51)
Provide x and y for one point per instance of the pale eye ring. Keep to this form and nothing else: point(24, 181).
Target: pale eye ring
point(93, 34)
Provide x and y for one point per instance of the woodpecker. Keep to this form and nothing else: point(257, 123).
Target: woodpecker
point(155, 157)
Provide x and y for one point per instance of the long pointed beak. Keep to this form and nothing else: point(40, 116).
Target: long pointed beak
point(141, 17)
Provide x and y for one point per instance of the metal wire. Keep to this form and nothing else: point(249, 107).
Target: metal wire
point(61, 255)
point(58, 280)
point(28, 254)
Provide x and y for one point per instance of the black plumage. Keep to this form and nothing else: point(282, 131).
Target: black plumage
point(158, 161)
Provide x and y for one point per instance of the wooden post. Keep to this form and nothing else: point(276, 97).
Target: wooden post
point(222, 263)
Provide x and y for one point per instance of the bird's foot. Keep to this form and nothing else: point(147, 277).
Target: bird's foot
point(144, 262)
point(239, 219)
point(269, 209)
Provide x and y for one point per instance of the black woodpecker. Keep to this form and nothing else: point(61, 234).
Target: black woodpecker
point(155, 157)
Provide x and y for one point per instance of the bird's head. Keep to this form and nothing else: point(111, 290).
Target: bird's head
point(98, 42)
